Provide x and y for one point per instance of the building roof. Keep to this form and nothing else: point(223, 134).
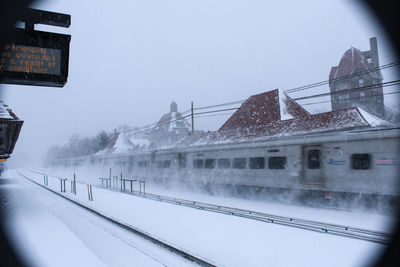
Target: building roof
point(258, 125)
point(264, 108)
point(259, 118)
point(170, 121)
point(353, 61)
point(121, 143)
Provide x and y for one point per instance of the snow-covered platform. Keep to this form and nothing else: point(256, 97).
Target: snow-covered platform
point(234, 241)
point(50, 231)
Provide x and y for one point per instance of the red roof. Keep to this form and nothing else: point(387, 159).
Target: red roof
point(352, 61)
point(262, 109)
point(258, 119)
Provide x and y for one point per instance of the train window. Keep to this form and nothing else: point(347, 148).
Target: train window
point(143, 164)
point(224, 163)
point(257, 163)
point(209, 163)
point(167, 163)
point(159, 164)
point(360, 161)
point(198, 163)
point(239, 163)
point(314, 159)
point(276, 162)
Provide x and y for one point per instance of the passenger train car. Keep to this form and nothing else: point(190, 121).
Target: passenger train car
point(361, 163)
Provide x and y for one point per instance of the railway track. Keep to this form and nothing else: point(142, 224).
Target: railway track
point(329, 228)
point(202, 261)
point(321, 227)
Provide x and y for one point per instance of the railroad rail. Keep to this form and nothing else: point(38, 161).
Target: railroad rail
point(321, 227)
point(202, 261)
point(329, 228)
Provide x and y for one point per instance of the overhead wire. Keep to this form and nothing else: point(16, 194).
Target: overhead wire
point(385, 84)
point(151, 126)
point(351, 98)
point(221, 105)
point(313, 85)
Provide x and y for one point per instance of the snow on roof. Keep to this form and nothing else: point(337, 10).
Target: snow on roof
point(4, 111)
point(122, 144)
point(338, 120)
point(266, 108)
point(139, 142)
point(285, 115)
point(373, 120)
point(260, 109)
point(171, 121)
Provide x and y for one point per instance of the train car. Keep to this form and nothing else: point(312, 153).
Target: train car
point(361, 163)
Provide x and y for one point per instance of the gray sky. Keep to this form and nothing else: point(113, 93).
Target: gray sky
point(130, 59)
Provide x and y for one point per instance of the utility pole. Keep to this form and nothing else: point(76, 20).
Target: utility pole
point(192, 119)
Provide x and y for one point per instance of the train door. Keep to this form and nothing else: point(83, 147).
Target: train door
point(312, 165)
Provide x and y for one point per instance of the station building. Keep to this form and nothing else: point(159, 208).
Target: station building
point(355, 81)
point(170, 128)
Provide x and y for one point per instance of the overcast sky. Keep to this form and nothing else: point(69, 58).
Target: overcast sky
point(130, 59)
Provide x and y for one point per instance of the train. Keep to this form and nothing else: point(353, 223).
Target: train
point(339, 165)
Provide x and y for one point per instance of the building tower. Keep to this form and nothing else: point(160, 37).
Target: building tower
point(353, 83)
point(171, 127)
point(174, 107)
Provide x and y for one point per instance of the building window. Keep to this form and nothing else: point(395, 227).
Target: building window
point(362, 96)
point(360, 83)
point(314, 159)
point(360, 161)
point(343, 98)
point(342, 86)
point(276, 162)
point(239, 163)
point(209, 163)
point(198, 163)
point(257, 163)
point(224, 163)
point(143, 164)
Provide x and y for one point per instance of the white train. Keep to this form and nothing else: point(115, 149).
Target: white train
point(349, 164)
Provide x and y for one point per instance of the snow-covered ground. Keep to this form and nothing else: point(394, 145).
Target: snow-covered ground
point(370, 219)
point(234, 241)
point(51, 231)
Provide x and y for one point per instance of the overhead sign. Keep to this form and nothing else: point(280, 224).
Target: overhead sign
point(35, 57)
point(29, 59)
